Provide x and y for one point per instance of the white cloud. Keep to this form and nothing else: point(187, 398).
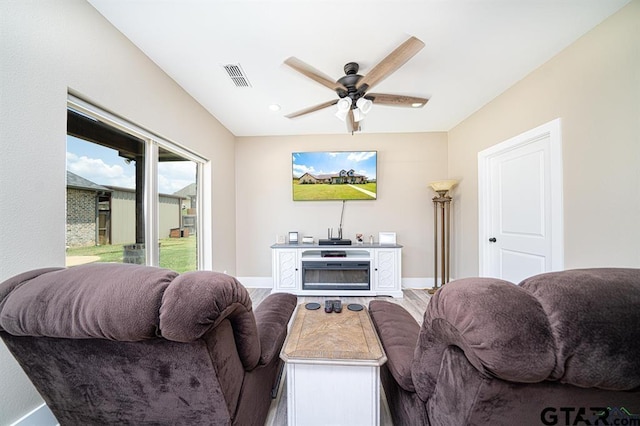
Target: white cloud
point(172, 176)
point(361, 156)
point(364, 173)
point(175, 175)
point(300, 169)
point(97, 171)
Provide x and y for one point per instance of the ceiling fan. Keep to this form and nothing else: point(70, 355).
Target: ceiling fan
point(354, 100)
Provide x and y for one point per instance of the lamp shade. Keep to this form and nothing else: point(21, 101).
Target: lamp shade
point(364, 105)
point(344, 104)
point(443, 185)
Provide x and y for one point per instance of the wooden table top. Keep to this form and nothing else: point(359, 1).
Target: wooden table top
point(347, 338)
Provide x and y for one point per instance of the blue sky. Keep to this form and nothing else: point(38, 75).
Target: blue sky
point(318, 163)
point(104, 166)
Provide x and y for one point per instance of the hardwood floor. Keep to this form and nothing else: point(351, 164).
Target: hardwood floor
point(415, 302)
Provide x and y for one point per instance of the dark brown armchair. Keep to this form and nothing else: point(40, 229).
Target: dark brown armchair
point(129, 344)
point(559, 348)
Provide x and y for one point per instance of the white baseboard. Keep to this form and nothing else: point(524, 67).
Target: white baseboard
point(267, 282)
point(417, 283)
point(41, 416)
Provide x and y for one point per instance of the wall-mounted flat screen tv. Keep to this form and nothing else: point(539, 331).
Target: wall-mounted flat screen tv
point(339, 175)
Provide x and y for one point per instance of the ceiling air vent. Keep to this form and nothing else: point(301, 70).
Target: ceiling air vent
point(237, 75)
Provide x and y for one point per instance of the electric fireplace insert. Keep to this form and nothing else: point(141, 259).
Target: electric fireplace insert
point(336, 274)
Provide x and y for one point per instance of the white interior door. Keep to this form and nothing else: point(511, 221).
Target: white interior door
point(521, 205)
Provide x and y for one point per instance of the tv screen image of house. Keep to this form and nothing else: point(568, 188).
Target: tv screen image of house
point(337, 175)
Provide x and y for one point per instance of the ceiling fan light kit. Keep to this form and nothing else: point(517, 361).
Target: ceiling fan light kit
point(364, 105)
point(344, 105)
point(353, 100)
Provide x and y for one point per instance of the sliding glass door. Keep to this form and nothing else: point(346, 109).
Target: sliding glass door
point(127, 187)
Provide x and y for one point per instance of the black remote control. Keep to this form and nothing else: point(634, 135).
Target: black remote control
point(328, 306)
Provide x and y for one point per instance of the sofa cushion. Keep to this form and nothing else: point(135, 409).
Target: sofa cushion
point(196, 302)
point(398, 333)
point(79, 306)
point(10, 284)
point(501, 328)
point(595, 320)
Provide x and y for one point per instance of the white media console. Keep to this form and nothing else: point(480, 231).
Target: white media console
point(321, 270)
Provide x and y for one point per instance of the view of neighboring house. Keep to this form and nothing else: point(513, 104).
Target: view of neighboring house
point(343, 177)
point(99, 215)
point(189, 204)
point(87, 224)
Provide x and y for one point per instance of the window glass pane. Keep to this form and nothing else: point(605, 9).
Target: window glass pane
point(177, 189)
point(105, 187)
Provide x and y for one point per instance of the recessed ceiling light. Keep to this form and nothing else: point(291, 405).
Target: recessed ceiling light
point(416, 104)
point(274, 107)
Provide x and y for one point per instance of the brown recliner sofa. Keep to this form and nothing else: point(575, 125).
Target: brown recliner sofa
point(560, 348)
point(128, 344)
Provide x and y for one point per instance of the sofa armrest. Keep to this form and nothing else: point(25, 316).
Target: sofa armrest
point(272, 318)
point(398, 333)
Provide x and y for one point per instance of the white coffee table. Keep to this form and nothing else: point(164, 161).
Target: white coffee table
point(333, 368)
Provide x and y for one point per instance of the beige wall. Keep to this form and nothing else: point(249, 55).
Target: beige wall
point(264, 206)
point(594, 87)
point(49, 48)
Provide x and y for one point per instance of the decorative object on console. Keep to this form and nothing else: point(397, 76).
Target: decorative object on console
point(441, 230)
point(359, 239)
point(307, 239)
point(293, 238)
point(354, 176)
point(387, 238)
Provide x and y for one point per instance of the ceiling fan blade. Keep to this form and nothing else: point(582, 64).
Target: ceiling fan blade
point(396, 100)
point(312, 109)
point(352, 124)
point(313, 74)
point(391, 63)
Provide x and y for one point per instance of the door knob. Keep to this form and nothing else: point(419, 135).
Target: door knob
point(492, 240)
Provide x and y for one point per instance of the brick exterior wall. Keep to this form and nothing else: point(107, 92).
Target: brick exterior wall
point(81, 218)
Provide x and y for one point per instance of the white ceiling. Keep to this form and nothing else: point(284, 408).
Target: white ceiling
point(475, 49)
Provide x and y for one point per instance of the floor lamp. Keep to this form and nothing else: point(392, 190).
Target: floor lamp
point(441, 230)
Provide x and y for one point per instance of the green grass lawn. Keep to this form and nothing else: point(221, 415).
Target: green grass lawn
point(178, 254)
point(332, 192)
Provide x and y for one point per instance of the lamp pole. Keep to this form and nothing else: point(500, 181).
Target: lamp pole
point(441, 232)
